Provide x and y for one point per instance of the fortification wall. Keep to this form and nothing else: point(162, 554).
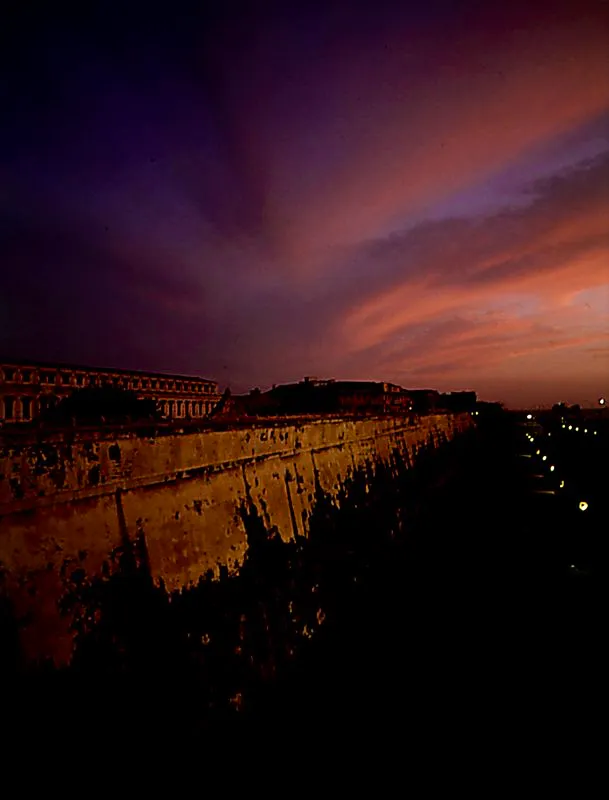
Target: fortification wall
point(70, 505)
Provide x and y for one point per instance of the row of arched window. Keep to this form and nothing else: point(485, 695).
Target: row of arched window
point(68, 378)
point(16, 408)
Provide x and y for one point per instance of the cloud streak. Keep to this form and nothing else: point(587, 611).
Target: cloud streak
point(418, 194)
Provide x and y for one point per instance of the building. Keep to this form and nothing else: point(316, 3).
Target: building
point(315, 396)
point(26, 387)
point(458, 402)
point(425, 401)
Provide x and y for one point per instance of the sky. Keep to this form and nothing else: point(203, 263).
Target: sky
point(413, 192)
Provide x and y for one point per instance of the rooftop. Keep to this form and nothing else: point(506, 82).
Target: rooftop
point(32, 363)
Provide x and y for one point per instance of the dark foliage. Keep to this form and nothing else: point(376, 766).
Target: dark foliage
point(98, 405)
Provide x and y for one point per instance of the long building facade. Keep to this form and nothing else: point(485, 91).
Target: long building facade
point(27, 386)
point(315, 396)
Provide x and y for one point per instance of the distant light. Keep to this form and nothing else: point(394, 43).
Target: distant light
point(562, 485)
point(577, 429)
point(529, 416)
point(583, 505)
point(564, 426)
point(570, 427)
point(552, 468)
point(572, 566)
point(585, 430)
point(549, 434)
point(538, 453)
point(601, 401)
point(595, 433)
point(544, 458)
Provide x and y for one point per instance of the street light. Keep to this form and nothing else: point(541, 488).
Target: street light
point(583, 505)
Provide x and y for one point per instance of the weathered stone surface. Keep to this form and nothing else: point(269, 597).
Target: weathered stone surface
point(67, 508)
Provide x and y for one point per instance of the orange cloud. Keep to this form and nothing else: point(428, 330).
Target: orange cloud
point(417, 130)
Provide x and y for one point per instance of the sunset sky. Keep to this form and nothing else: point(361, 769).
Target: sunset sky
point(413, 192)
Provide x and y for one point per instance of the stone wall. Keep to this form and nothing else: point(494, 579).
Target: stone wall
point(69, 506)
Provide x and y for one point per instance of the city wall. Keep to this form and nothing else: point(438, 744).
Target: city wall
point(69, 504)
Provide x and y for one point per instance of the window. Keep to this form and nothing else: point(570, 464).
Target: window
point(26, 406)
point(26, 376)
point(80, 380)
point(92, 380)
point(9, 407)
point(47, 377)
point(9, 374)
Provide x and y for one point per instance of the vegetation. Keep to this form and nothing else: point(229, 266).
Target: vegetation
point(100, 405)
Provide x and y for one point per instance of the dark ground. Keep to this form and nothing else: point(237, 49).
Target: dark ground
point(493, 608)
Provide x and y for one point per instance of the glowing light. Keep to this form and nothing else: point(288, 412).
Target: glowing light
point(585, 430)
point(570, 427)
point(583, 505)
point(552, 468)
point(601, 401)
point(544, 458)
point(549, 434)
point(538, 453)
point(564, 426)
point(595, 433)
point(562, 485)
point(577, 429)
point(529, 416)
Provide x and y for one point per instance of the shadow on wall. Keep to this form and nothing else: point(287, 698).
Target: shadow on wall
point(225, 641)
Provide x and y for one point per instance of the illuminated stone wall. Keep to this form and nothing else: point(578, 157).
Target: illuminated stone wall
point(71, 506)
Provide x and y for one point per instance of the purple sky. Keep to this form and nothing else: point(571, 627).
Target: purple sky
point(417, 195)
